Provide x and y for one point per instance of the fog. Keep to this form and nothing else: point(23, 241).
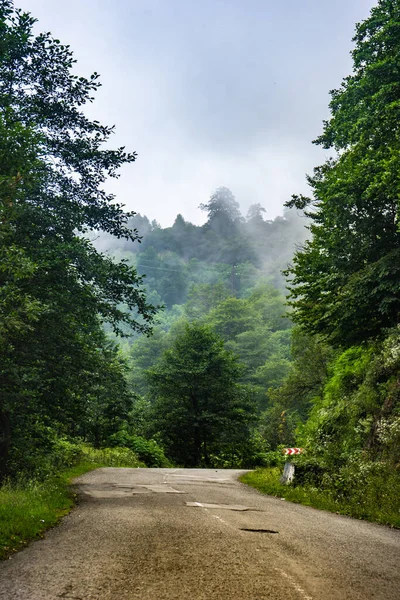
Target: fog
point(217, 93)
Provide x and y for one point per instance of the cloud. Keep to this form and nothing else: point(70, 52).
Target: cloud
point(215, 93)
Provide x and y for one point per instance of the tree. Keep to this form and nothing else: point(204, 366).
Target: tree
point(108, 400)
point(203, 297)
point(254, 213)
point(231, 317)
point(223, 212)
point(40, 94)
point(165, 274)
point(308, 374)
point(200, 409)
point(345, 281)
point(144, 353)
point(55, 287)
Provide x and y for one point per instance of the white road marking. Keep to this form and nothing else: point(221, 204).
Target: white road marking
point(220, 506)
point(200, 505)
point(220, 519)
point(294, 584)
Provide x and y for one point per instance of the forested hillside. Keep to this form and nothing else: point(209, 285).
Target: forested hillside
point(228, 249)
point(64, 302)
point(331, 384)
point(221, 283)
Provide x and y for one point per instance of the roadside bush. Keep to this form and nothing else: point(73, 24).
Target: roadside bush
point(270, 458)
point(308, 471)
point(110, 457)
point(362, 487)
point(147, 451)
point(45, 456)
point(368, 486)
point(63, 454)
point(368, 491)
point(254, 452)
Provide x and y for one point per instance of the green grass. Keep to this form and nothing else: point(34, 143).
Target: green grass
point(267, 482)
point(28, 508)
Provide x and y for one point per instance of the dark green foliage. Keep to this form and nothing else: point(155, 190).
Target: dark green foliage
point(147, 451)
point(374, 497)
point(75, 389)
point(58, 374)
point(345, 281)
point(252, 327)
point(200, 409)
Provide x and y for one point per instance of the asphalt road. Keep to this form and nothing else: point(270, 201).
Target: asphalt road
point(182, 534)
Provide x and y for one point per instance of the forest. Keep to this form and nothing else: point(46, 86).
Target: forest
point(200, 345)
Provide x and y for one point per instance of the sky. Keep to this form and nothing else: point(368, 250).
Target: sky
point(209, 93)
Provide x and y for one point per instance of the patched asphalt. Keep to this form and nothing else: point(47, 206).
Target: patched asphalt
point(169, 534)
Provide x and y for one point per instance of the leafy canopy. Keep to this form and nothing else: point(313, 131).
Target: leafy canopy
point(345, 280)
point(200, 409)
point(57, 161)
point(58, 373)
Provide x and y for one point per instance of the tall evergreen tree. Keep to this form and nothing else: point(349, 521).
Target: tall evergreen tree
point(223, 212)
point(200, 409)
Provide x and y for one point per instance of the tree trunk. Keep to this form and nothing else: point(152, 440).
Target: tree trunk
point(206, 458)
point(196, 432)
point(5, 439)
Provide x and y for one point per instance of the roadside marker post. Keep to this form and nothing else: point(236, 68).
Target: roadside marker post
point(288, 471)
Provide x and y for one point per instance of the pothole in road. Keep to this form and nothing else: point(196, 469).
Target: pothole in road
point(258, 530)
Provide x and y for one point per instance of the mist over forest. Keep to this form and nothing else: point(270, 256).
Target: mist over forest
point(229, 248)
point(225, 276)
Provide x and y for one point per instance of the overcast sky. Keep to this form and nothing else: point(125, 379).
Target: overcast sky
point(209, 93)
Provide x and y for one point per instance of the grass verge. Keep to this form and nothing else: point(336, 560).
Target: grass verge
point(267, 482)
point(28, 508)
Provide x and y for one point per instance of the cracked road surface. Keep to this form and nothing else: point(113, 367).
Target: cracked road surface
point(174, 534)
